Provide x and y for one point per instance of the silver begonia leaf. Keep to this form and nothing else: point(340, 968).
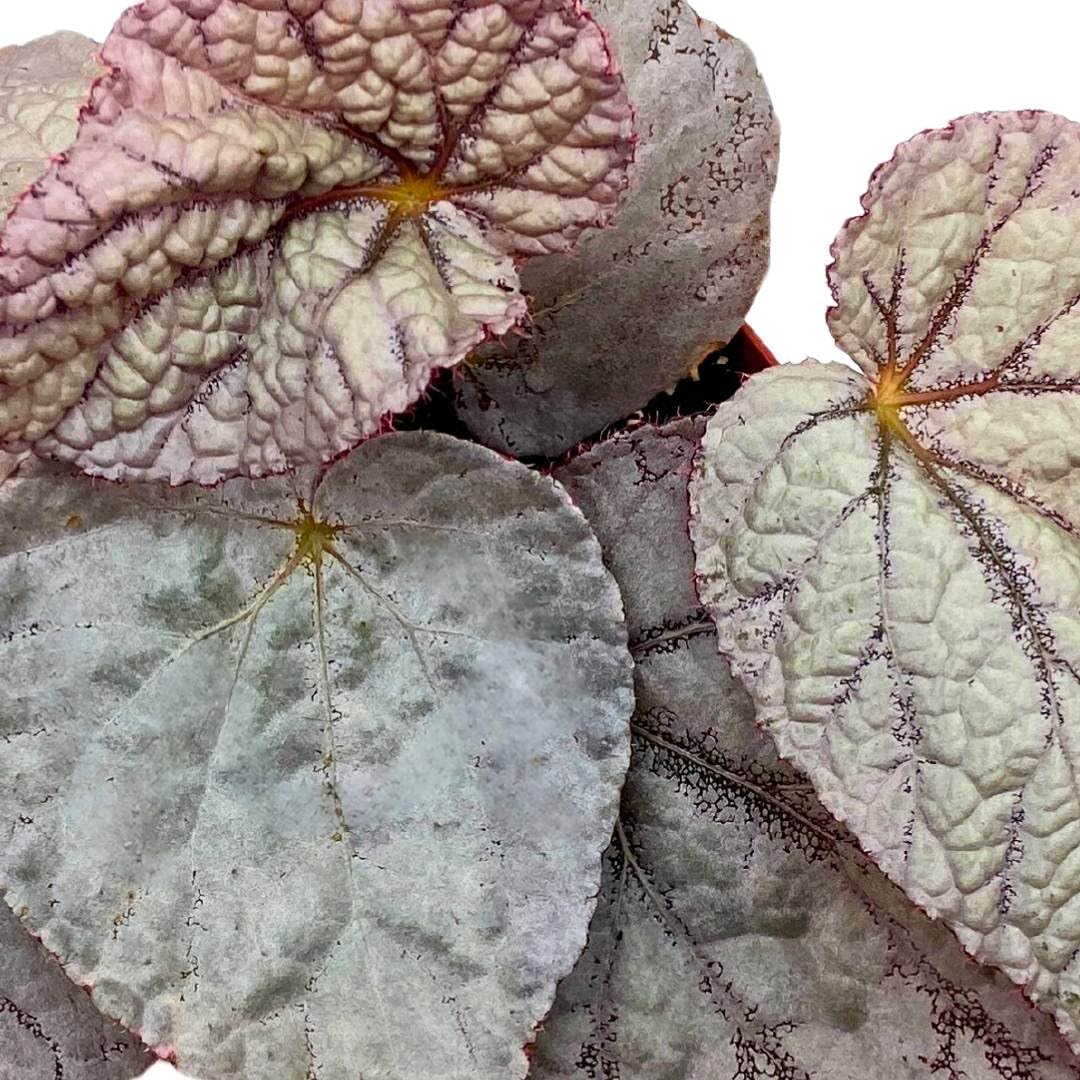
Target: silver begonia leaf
point(741, 934)
point(48, 1027)
point(892, 555)
point(312, 780)
point(645, 301)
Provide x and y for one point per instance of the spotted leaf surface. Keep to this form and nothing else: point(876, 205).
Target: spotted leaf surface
point(892, 557)
point(646, 300)
point(741, 933)
point(313, 788)
point(279, 218)
point(48, 1027)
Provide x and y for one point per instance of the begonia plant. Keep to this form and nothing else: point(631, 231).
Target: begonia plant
point(334, 743)
point(741, 931)
point(273, 223)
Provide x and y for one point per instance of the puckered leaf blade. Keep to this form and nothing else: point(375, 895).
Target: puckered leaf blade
point(741, 932)
point(893, 559)
point(964, 255)
point(249, 176)
point(42, 87)
point(350, 860)
point(691, 236)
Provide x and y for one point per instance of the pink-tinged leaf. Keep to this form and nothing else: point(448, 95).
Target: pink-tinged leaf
point(49, 1030)
point(645, 301)
point(741, 932)
point(892, 557)
point(279, 219)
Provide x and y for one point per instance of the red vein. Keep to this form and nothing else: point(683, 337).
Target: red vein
point(961, 287)
point(1009, 487)
point(887, 311)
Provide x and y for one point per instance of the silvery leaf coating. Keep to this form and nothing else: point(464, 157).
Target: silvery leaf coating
point(892, 555)
point(741, 933)
point(312, 783)
point(48, 1027)
point(280, 217)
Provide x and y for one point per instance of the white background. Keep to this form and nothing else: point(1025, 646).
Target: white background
point(849, 80)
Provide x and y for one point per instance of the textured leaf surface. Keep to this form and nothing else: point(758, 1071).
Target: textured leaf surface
point(741, 934)
point(48, 1027)
point(42, 87)
point(313, 792)
point(893, 557)
point(644, 301)
point(280, 218)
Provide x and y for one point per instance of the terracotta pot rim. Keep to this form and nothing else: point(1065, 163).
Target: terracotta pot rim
point(748, 353)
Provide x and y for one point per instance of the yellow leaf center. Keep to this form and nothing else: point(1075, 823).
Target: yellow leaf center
point(412, 195)
point(313, 537)
point(887, 398)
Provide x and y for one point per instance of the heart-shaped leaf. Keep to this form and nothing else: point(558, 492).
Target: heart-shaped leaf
point(279, 219)
point(644, 301)
point(48, 1028)
point(313, 788)
point(740, 931)
point(892, 557)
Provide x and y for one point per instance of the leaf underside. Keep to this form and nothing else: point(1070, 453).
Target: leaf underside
point(317, 788)
point(279, 219)
point(741, 933)
point(892, 558)
point(48, 1027)
point(645, 301)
